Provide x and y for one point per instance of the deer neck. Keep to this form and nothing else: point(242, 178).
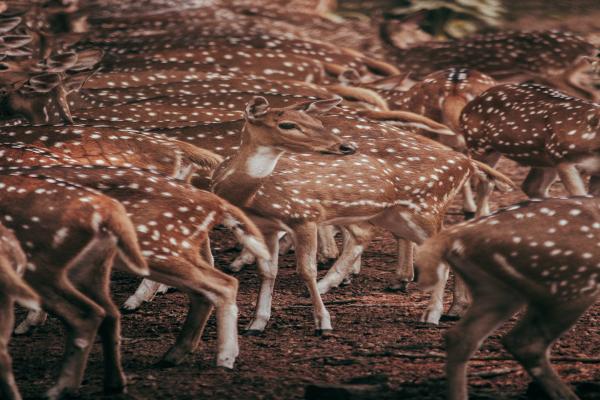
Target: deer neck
point(243, 174)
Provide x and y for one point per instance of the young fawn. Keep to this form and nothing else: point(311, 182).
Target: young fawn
point(71, 236)
point(12, 289)
point(541, 254)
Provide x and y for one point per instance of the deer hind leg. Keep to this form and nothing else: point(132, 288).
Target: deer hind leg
point(571, 178)
point(328, 249)
point(469, 204)
point(8, 386)
point(357, 238)
point(198, 313)
point(201, 281)
point(268, 273)
point(460, 298)
point(306, 264)
point(405, 272)
point(485, 314)
point(33, 319)
point(485, 187)
point(92, 277)
point(530, 340)
point(81, 318)
point(143, 294)
point(538, 182)
point(595, 185)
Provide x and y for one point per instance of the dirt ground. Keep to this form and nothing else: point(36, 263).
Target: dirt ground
point(378, 340)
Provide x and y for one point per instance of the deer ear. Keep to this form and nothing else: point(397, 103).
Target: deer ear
point(44, 83)
point(257, 108)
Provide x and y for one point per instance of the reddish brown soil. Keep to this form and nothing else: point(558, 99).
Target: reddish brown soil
point(373, 327)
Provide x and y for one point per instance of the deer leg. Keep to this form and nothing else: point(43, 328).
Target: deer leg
point(206, 252)
point(268, 273)
point(571, 178)
point(530, 340)
point(8, 386)
point(356, 266)
point(405, 272)
point(306, 264)
point(327, 247)
point(595, 185)
point(245, 258)
point(538, 182)
point(202, 281)
point(435, 307)
point(81, 318)
point(285, 243)
point(484, 315)
point(460, 298)
point(469, 205)
point(33, 319)
point(143, 294)
point(191, 333)
point(485, 187)
point(356, 240)
point(92, 277)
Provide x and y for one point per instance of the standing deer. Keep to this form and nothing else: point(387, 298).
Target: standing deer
point(400, 182)
point(71, 235)
point(172, 221)
point(541, 254)
point(549, 131)
point(552, 57)
point(12, 289)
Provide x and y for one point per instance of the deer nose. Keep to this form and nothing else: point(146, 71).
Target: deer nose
point(347, 148)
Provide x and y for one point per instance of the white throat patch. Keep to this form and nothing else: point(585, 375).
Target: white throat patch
point(262, 162)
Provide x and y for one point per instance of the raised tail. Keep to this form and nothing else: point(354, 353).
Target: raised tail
point(14, 286)
point(128, 246)
point(246, 232)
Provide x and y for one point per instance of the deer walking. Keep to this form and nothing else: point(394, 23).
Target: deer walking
point(539, 254)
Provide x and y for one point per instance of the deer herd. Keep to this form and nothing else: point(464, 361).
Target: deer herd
point(127, 135)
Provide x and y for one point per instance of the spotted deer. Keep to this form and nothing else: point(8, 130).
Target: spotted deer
point(12, 290)
point(332, 56)
point(541, 254)
point(71, 236)
point(400, 182)
point(110, 146)
point(552, 57)
point(172, 221)
point(549, 131)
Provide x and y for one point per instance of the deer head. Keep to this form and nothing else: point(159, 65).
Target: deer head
point(292, 128)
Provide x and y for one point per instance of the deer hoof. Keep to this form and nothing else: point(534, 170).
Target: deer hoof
point(323, 332)
point(253, 332)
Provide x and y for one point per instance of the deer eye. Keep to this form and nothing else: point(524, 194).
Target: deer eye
point(288, 125)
